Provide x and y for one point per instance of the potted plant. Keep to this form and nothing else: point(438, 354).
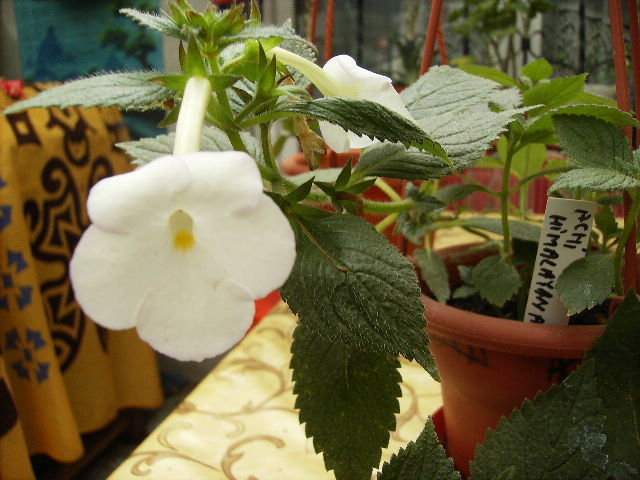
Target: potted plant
point(181, 246)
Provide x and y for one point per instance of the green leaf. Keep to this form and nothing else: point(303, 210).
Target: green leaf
point(364, 117)
point(495, 279)
point(456, 192)
point(594, 180)
point(507, 474)
point(558, 436)
point(424, 459)
point(351, 285)
point(529, 160)
point(345, 175)
point(195, 61)
point(327, 175)
point(277, 33)
point(587, 282)
point(128, 91)
point(395, 161)
point(347, 399)
point(300, 193)
point(591, 142)
point(464, 291)
point(213, 140)
point(606, 222)
point(609, 114)
point(161, 23)
point(518, 229)
point(434, 273)
point(617, 372)
point(489, 73)
point(554, 93)
point(537, 70)
point(446, 90)
point(593, 99)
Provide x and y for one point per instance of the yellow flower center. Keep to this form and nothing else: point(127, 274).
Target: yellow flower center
point(181, 225)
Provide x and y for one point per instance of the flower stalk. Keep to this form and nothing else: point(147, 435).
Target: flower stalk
point(195, 100)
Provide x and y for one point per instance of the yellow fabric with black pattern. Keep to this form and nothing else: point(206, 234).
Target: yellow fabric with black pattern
point(60, 374)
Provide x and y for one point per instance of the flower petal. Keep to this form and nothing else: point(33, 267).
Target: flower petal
point(119, 203)
point(191, 317)
point(110, 273)
point(255, 247)
point(230, 180)
point(335, 137)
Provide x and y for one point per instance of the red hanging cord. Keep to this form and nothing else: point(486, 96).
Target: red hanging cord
point(635, 55)
point(328, 35)
point(624, 103)
point(430, 38)
point(444, 55)
point(313, 21)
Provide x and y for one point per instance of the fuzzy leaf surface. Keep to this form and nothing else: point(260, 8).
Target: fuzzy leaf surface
point(213, 140)
point(284, 32)
point(364, 117)
point(347, 399)
point(351, 285)
point(446, 90)
point(424, 459)
point(594, 180)
point(395, 161)
point(434, 273)
point(606, 113)
point(128, 91)
point(495, 279)
point(594, 143)
point(587, 282)
point(558, 436)
point(489, 73)
point(618, 372)
point(161, 23)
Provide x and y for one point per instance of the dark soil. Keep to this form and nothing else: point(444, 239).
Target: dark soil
point(595, 316)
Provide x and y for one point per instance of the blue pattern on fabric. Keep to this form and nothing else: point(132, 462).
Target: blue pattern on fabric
point(26, 347)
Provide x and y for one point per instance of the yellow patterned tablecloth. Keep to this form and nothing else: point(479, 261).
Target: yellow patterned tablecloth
point(240, 422)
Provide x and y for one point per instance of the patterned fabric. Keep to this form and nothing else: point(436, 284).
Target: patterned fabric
point(60, 374)
point(240, 422)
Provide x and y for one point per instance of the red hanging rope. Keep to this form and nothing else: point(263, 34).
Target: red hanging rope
point(444, 55)
point(430, 38)
point(328, 35)
point(635, 55)
point(624, 103)
point(313, 22)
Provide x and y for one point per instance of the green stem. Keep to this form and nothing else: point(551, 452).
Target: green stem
point(387, 189)
point(267, 152)
point(223, 100)
point(504, 204)
point(387, 222)
point(624, 236)
point(388, 207)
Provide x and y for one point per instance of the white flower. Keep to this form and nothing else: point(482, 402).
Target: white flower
point(181, 248)
point(342, 77)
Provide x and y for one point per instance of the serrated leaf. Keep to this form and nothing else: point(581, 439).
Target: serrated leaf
point(364, 117)
point(128, 91)
point(558, 436)
point(537, 70)
point(594, 180)
point(347, 399)
point(446, 90)
point(467, 136)
point(434, 273)
point(395, 161)
point(351, 285)
point(360, 187)
point(489, 73)
point(606, 222)
point(300, 193)
point(161, 23)
point(424, 459)
point(609, 114)
point(495, 279)
point(554, 93)
point(591, 142)
point(587, 282)
point(617, 360)
point(593, 99)
point(345, 175)
point(456, 192)
point(213, 140)
point(517, 229)
point(279, 33)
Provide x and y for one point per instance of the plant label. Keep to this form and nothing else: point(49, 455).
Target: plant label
point(564, 239)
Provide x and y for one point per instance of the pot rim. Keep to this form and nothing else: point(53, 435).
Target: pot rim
point(505, 335)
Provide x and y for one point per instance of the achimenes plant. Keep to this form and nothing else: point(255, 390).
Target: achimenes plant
point(181, 246)
point(559, 113)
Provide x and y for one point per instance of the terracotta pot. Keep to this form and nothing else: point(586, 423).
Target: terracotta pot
point(489, 365)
